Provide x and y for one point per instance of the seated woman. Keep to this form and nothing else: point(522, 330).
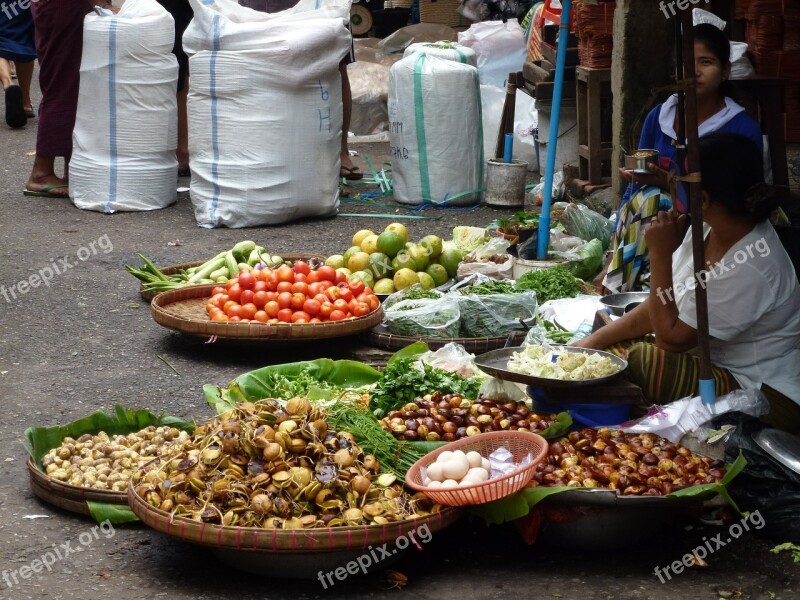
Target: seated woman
point(753, 295)
point(628, 267)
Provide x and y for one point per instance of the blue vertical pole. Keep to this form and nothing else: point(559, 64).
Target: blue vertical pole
point(547, 197)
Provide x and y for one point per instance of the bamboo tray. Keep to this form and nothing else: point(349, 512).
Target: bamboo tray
point(283, 541)
point(184, 310)
point(173, 269)
point(380, 337)
point(69, 497)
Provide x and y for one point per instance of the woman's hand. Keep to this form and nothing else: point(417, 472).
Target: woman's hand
point(657, 176)
point(665, 232)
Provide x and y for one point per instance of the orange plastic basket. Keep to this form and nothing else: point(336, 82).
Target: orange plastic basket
point(519, 443)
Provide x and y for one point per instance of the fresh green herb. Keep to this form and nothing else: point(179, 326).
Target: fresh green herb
point(402, 382)
point(556, 333)
point(550, 284)
point(419, 294)
point(788, 546)
point(527, 220)
point(490, 287)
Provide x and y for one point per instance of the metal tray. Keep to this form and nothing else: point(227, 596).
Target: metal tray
point(780, 445)
point(601, 497)
point(495, 363)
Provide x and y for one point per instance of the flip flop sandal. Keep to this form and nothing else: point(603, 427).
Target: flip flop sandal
point(353, 174)
point(47, 192)
point(15, 111)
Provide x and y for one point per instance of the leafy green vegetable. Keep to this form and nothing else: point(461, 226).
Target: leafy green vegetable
point(468, 239)
point(550, 284)
point(290, 379)
point(788, 546)
point(591, 260)
point(490, 287)
point(417, 293)
point(402, 382)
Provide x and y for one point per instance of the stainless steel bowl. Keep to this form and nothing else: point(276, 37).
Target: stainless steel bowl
point(638, 161)
point(616, 303)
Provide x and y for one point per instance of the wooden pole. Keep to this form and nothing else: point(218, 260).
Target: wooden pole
point(706, 383)
point(507, 118)
point(680, 146)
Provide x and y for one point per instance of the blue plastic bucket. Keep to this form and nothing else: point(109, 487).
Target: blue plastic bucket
point(585, 415)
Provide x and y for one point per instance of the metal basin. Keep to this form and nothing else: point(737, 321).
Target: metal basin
point(616, 303)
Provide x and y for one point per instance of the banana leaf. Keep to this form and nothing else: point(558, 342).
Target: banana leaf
point(562, 424)
point(278, 381)
point(116, 514)
point(39, 440)
point(518, 505)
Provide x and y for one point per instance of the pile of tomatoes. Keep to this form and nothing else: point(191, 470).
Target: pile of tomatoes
point(295, 294)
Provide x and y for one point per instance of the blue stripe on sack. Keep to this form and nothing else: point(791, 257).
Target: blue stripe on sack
point(419, 118)
point(112, 114)
point(214, 124)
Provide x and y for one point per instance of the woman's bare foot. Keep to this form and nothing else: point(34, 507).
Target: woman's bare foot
point(50, 184)
point(349, 170)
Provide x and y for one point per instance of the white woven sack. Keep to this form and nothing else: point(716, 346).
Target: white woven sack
point(123, 156)
point(436, 136)
point(265, 111)
point(444, 49)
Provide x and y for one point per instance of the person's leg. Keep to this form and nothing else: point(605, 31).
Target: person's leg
point(5, 73)
point(25, 76)
point(183, 129)
point(347, 106)
point(14, 109)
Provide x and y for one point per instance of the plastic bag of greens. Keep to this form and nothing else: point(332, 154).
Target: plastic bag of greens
point(492, 308)
point(424, 317)
point(587, 263)
point(587, 224)
point(491, 260)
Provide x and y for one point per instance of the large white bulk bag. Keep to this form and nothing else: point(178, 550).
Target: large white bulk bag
point(265, 111)
point(444, 49)
point(123, 144)
point(501, 48)
point(435, 131)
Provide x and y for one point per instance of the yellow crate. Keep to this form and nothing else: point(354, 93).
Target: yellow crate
point(443, 12)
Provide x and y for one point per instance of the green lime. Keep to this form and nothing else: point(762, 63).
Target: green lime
point(379, 264)
point(438, 273)
point(390, 243)
point(450, 260)
point(425, 280)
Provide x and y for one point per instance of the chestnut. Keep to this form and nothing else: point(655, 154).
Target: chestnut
point(411, 425)
point(449, 427)
point(411, 435)
point(449, 437)
point(461, 432)
point(459, 421)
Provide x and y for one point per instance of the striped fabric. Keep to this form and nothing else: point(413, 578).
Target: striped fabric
point(630, 266)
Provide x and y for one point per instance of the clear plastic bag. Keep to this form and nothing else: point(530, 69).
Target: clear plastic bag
point(454, 358)
point(424, 318)
point(501, 390)
point(537, 193)
point(477, 261)
point(492, 315)
point(583, 222)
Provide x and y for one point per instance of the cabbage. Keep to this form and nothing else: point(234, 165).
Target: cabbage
point(590, 263)
point(468, 239)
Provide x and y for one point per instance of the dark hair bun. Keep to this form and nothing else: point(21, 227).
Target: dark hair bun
point(760, 200)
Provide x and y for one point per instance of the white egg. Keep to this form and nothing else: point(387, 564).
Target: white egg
point(449, 483)
point(470, 480)
point(475, 459)
point(444, 457)
point(478, 473)
point(435, 472)
point(426, 482)
point(434, 484)
point(486, 465)
point(456, 468)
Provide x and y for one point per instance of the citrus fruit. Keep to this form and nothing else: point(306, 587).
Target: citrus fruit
point(450, 259)
point(335, 261)
point(358, 261)
point(404, 278)
point(350, 251)
point(433, 244)
point(347, 272)
point(403, 261)
point(370, 244)
point(364, 276)
point(420, 256)
point(384, 286)
point(360, 235)
point(379, 264)
point(425, 280)
point(438, 273)
point(399, 229)
point(390, 243)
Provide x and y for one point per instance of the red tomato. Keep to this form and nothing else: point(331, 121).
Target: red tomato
point(333, 293)
point(246, 280)
point(301, 266)
point(219, 317)
point(234, 311)
point(300, 287)
point(337, 315)
point(284, 300)
point(272, 296)
point(261, 316)
point(224, 299)
point(314, 289)
point(344, 292)
point(260, 275)
point(361, 309)
point(324, 285)
point(326, 273)
point(285, 315)
point(325, 310)
point(340, 277)
point(235, 292)
point(356, 286)
point(341, 304)
point(312, 307)
point(300, 277)
point(312, 277)
point(273, 321)
point(261, 286)
point(284, 286)
point(297, 301)
point(321, 298)
point(218, 290)
point(373, 301)
point(272, 309)
point(285, 273)
point(315, 320)
point(228, 304)
point(246, 297)
point(249, 311)
point(234, 319)
point(300, 317)
point(272, 282)
point(260, 299)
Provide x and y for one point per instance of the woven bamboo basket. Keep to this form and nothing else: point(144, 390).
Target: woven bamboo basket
point(294, 541)
point(442, 11)
point(173, 269)
point(380, 337)
point(184, 310)
point(69, 497)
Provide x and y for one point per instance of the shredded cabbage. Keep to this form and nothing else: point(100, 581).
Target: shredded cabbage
point(468, 239)
point(567, 366)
